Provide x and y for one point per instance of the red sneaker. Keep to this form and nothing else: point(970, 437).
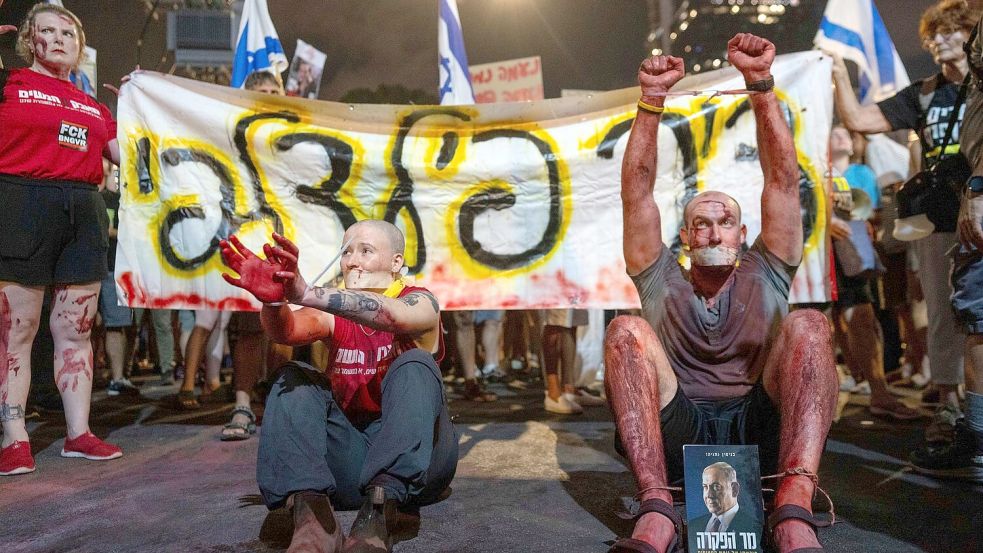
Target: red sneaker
point(90, 447)
point(16, 458)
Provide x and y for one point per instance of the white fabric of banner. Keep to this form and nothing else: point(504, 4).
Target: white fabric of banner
point(504, 206)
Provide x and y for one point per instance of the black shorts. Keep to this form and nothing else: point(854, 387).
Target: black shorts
point(52, 232)
point(850, 291)
point(893, 284)
point(749, 419)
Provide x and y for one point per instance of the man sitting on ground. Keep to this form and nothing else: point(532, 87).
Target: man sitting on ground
point(375, 431)
point(701, 366)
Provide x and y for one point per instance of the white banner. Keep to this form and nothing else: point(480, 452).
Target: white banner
point(518, 80)
point(504, 206)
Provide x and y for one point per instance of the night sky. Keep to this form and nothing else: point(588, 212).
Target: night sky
point(584, 44)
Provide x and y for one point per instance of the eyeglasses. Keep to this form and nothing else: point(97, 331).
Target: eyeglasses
point(944, 31)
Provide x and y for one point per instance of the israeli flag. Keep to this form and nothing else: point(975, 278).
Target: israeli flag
point(854, 30)
point(258, 47)
point(455, 79)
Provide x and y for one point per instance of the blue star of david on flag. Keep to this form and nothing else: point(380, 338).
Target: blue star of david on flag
point(455, 79)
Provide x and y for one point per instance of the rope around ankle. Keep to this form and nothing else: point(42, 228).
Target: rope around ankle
point(800, 471)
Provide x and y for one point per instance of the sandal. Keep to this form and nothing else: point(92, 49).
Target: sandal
point(631, 545)
point(240, 431)
point(186, 400)
point(790, 511)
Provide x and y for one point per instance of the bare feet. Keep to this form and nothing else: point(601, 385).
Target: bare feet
point(890, 407)
point(654, 529)
point(370, 530)
point(793, 534)
point(316, 528)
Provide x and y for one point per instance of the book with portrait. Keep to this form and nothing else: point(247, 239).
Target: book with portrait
point(724, 507)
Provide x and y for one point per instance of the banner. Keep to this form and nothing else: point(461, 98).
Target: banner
point(512, 205)
point(304, 79)
point(518, 80)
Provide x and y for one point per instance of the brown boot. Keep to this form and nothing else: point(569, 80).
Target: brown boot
point(370, 531)
point(316, 528)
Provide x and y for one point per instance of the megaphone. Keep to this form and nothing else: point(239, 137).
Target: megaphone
point(863, 208)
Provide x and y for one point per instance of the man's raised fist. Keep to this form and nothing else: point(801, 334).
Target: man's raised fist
point(658, 74)
point(751, 55)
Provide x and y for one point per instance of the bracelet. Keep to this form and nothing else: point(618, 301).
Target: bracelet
point(274, 304)
point(764, 85)
point(649, 107)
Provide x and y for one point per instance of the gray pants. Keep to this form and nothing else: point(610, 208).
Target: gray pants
point(307, 442)
point(945, 343)
point(161, 319)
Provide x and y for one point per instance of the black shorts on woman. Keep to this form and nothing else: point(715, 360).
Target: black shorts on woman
point(52, 233)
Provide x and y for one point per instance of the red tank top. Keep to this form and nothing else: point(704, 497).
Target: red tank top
point(360, 357)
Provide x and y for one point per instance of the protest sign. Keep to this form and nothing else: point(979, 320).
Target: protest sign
point(304, 79)
point(518, 80)
point(513, 205)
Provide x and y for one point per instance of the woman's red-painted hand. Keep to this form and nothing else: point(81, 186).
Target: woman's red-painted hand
point(256, 275)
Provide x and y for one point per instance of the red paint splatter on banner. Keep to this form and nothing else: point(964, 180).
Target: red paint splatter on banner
point(85, 298)
point(72, 368)
point(136, 296)
point(85, 322)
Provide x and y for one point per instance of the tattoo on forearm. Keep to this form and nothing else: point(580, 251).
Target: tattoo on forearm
point(10, 412)
point(351, 304)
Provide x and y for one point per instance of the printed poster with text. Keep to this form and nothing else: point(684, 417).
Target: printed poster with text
point(724, 508)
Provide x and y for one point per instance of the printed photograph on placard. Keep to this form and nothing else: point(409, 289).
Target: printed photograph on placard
point(724, 508)
point(304, 79)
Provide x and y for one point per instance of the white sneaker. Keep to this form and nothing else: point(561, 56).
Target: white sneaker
point(562, 406)
point(584, 399)
point(862, 389)
point(847, 383)
point(920, 380)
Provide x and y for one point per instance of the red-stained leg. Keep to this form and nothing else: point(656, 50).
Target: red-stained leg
point(639, 382)
point(20, 313)
point(800, 377)
point(73, 313)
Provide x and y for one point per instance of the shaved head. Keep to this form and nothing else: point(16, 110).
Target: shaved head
point(393, 235)
point(711, 196)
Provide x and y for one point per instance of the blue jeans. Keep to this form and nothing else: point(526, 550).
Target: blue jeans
point(307, 442)
point(967, 289)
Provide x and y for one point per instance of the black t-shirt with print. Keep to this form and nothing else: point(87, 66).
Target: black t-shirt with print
point(904, 110)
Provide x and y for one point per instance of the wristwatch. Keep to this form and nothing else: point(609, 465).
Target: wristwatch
point(764, 85)
point(975, 184)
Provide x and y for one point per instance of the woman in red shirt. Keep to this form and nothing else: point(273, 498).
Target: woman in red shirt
point(53, 231)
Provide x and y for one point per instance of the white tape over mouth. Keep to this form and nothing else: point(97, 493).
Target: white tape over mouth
point(715, 256)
